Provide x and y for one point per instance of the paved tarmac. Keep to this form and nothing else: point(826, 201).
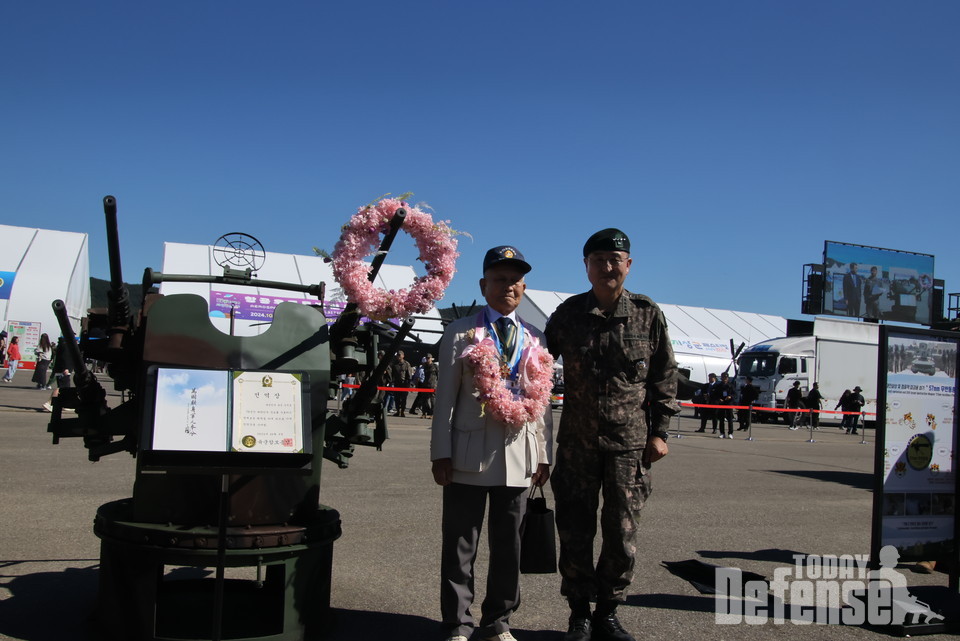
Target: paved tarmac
point(746, 504)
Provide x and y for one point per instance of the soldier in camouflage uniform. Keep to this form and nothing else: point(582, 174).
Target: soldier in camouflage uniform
point(619, 369)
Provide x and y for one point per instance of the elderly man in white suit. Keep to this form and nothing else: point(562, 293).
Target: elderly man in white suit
point(477, 458)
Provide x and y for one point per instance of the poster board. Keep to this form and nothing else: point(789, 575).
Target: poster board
point(226, 420)
point(916, 480)
point(29, 334)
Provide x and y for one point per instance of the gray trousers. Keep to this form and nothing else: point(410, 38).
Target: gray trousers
point(463, 511)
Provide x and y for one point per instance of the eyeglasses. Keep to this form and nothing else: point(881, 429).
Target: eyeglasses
point(600, 261)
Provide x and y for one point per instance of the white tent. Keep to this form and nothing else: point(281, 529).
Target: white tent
point(700, 336)
point(38, 266)
point(254, 305)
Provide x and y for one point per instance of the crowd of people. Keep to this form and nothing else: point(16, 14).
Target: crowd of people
point(53, 364)
point(803, 409)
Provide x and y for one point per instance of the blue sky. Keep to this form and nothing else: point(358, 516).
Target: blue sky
point(728, 139)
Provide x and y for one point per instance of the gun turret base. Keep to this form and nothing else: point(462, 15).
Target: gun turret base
point(292, 598)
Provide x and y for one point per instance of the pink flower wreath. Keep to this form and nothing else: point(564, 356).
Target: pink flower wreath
point(361, 237)
point(536, 380)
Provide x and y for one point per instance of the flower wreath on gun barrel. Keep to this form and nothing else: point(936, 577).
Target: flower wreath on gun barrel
point(621, 386)
point(492, 437)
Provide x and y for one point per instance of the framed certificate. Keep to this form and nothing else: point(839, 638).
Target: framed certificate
point(226, 420)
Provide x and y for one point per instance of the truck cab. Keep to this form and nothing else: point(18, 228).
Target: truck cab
point(774, 365)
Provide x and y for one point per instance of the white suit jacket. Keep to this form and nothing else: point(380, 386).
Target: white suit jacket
point(482, 451)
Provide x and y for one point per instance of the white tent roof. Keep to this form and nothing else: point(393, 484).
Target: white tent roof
point(700, 335)
point(179, 258)
point(43, 265)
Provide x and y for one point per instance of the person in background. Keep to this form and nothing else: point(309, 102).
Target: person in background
point(853, 404)
point(63, 367)
point(749, 394)
point(3, 346)
point(814, 402)
point(13, 358)
point(44, 354)
point(707, 395)
point(844, 423)
point(793, 402)
point(419, 376)
point(402, 373)
point(383, 382)
point(347, 392)
point(431, 373)
point(726, 392)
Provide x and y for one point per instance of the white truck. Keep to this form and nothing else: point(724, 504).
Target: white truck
point(840, 355)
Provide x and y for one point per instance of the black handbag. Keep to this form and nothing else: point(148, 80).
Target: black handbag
point(538, 536)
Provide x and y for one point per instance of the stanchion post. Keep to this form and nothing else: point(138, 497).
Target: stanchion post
point(810, 427)
point(750, 422)
point(863, 428)
point(678, 434)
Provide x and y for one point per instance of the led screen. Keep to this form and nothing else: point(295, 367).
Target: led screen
point(884, 284)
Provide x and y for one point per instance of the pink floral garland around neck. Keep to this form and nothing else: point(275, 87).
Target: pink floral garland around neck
point(361, 237)
point(536, 380)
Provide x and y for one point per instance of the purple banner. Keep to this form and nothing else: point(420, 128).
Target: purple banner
point(255, 307)
point(258, 307)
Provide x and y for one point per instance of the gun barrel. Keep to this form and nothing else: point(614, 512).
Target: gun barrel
point(349, 318)
point(118, 298)
point(113, 242)
point(395, 223)
point(368, 388)
point(70, 338)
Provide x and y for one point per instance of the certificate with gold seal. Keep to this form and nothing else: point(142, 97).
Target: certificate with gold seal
point(267, 412)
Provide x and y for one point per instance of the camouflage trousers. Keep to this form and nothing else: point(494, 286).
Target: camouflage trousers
point(579, 479)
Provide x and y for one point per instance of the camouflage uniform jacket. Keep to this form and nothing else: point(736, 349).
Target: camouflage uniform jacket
point(613, 366)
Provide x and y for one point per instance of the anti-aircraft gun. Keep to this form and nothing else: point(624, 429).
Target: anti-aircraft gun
point(228, 433)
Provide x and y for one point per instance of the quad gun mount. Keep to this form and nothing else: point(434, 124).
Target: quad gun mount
point(267, 517)
point(128, 346)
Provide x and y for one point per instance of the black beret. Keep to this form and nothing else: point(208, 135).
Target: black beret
point(504, 254)
point(607, 240)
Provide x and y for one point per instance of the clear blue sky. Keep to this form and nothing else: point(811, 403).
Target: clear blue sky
point(728, 139)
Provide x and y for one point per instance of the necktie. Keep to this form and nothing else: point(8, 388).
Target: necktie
point(507, 331)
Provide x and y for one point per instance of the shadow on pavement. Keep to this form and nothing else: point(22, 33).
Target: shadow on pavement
point(858, 480)
point(772, 555)
point(365, 624)
point(49, 606)
point(27, 408)
point(672, 602)
point(58, 605)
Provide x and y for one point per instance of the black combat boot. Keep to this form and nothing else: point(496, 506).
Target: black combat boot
point(579, 627)
point(606, 625)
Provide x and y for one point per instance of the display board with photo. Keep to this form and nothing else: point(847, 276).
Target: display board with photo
point(915, 497)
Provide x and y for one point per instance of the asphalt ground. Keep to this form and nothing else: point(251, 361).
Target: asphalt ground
point(738, 503)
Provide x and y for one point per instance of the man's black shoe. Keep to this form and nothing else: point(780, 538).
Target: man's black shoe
point(608, 628)
point(700, 430)
point(578, 630)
